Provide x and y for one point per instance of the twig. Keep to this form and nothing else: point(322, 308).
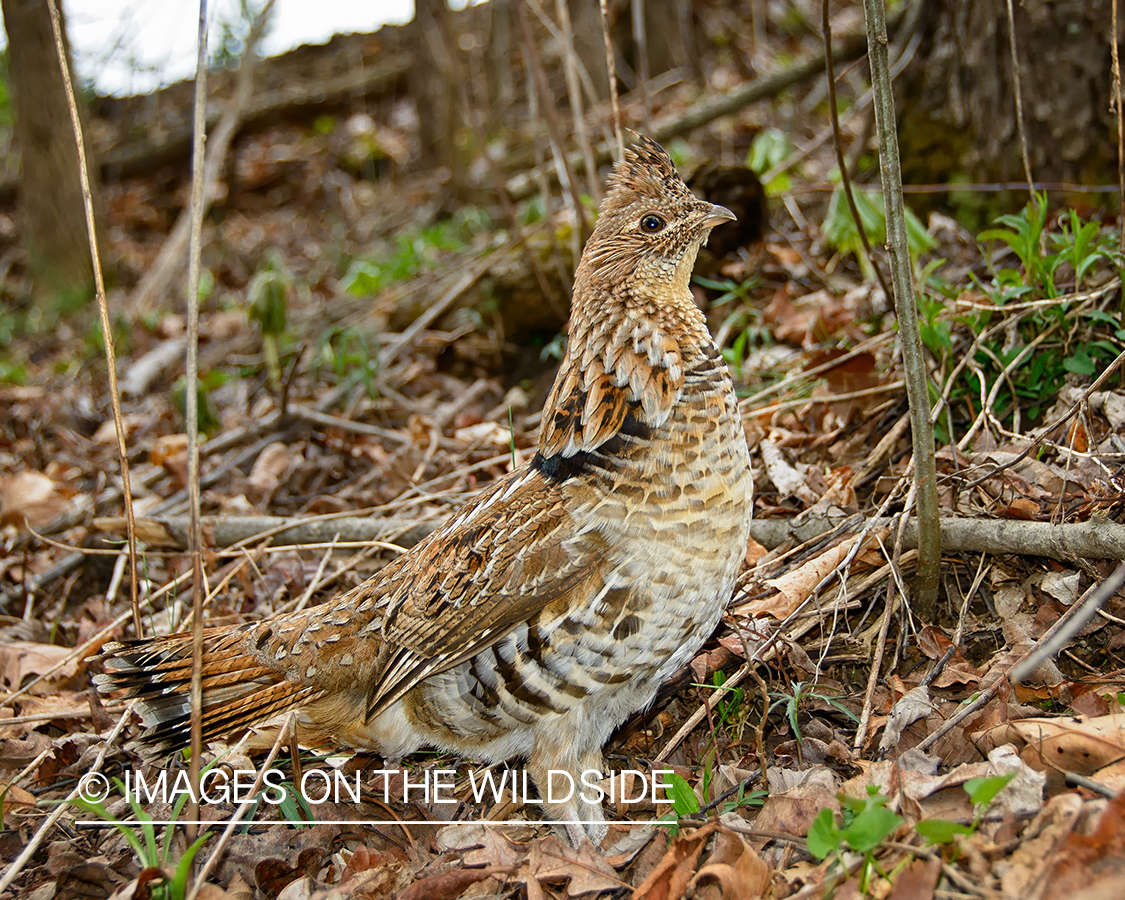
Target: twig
point(838, 144)
point(876, 667)
point(1120, 123)
point(640, 40)
point(191, 415)
point(389, 353)
point(611, 75)
point(917, 384)
point(574, 92)
point(314, 584)
point(551, 117)
point(1019, 98)
point(1051, 426)
point(217, 851)
point(33, 845)
point(103, 309)
point(1067, 627)
point(155, 281)
point(1047, 647)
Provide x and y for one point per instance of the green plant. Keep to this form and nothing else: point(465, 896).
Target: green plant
point(866, 823)
point(791, 701)
point(769, 148)
point(351, 355)
point(981, 791)
point(142, 838)
point(840, 229)
point(414, 253)
point(684, 802)
point(268, 295)
point(209, 422)
point(754, 798)
point(1002, 371)
point(293, 806)
point(732, 290)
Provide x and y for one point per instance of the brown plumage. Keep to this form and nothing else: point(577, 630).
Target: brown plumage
point(552, 606)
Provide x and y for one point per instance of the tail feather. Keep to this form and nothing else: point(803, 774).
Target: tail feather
point(238, 690)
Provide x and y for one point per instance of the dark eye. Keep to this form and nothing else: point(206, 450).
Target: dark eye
point(652, 223)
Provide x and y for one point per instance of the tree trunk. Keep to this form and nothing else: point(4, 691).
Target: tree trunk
point(435, 92)
point(958, 119)
point(53, 220)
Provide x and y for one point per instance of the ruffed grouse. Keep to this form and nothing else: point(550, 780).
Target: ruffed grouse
point(550, 608)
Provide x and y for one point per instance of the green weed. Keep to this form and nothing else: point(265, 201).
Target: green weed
point(769, 148)
point(268, 295)
point(142, 839)
point(1051, 263)
point(866, 823)
point(840, 230)
point(351, 355)
point(791, 702)
point(414, 253)
point(981, 791)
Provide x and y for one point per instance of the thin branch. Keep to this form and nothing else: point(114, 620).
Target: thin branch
point(1019, 99)
point(1120, 127)
point(611, 74)
point(917, 384)
point(103, 311)
point(550, 116)
point(33, 845)
point(574, 92)
point(191, 414)
point(640, 40)
point(838, 144)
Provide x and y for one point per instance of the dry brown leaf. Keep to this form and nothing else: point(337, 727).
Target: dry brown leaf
point(270, 467)
point(1046, 832)
point(32, 498)
point(794, 587)
point(1083, 861)
point(796, 799)
point(917, 881)
point(23, 659)
point(670, 878)
point(732, 871)
point(784, 475)
point(479, 845)
point(1063, 744)
point(957, 670)
point(582, 868)
point(448, 885)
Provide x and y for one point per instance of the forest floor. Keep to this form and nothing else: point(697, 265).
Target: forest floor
point(369, 430)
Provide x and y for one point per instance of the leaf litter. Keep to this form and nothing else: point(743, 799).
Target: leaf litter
point(456, 408)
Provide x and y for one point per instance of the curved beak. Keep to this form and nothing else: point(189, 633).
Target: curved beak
point(718, 215)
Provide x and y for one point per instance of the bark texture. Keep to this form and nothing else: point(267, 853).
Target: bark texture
point(54, 224)
point(957, 102)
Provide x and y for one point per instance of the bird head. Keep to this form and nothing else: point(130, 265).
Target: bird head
point(651, 225)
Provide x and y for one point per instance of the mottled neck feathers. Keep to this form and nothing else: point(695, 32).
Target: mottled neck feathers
point(634, 324)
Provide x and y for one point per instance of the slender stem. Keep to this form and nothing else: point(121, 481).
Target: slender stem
point(838, 144)
point(917, 384)
point(1120, 125)
point(191, 409)
point(103, 311)
point(611, 74)
point(1019, 101)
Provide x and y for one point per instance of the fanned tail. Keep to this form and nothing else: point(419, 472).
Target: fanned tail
point(238, 691)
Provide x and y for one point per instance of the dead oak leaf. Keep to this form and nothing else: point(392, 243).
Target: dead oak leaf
point(583, 868)
point(1085, 860)
point(670, 878)
point(733, 871)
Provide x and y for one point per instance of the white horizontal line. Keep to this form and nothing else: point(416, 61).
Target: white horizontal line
point(224, 822)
